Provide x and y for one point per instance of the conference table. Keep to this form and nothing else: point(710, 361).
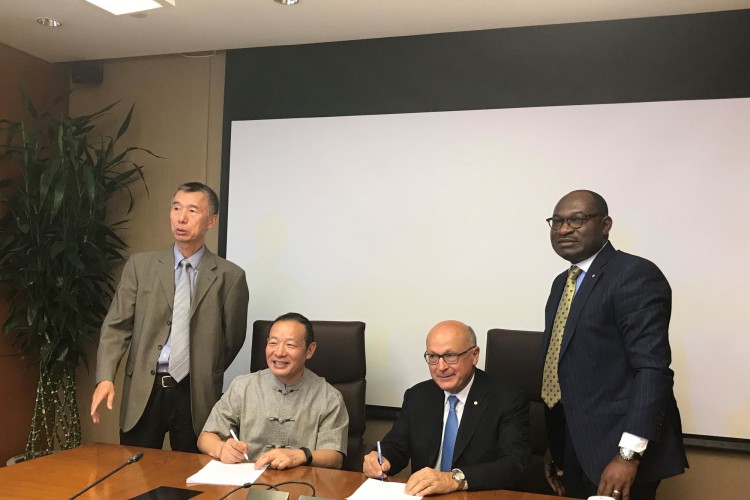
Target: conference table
point(63, 474)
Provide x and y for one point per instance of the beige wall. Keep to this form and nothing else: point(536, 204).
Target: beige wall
point(178, 110)
point(178, 116)
point(712, 475)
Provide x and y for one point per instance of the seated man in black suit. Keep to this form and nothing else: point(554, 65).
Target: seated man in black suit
point(461, 430)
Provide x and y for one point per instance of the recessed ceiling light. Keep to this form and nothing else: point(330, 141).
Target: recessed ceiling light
point(287, 2)
point(119, 7)
point(48, 21)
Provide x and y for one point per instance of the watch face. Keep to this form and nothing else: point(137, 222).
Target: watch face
point(458, 475)
point(626, 453)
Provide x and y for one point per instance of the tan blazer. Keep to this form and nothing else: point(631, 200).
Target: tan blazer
point(139, 320)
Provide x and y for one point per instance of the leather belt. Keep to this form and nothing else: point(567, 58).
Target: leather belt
point(166, 381)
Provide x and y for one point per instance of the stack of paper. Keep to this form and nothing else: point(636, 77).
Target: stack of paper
point(373, 489)
point(216, 472)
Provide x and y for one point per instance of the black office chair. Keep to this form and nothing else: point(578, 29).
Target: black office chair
point(516, 357)
point(340, 359)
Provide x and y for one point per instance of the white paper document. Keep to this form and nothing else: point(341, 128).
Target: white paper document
point(374, 489)
point(216, 472)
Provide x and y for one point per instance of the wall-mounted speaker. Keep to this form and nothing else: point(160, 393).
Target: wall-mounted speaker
point(87, 72)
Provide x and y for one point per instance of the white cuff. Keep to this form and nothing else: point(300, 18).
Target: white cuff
point(633, 442)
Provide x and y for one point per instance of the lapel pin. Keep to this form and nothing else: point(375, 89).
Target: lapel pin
point(476, 403)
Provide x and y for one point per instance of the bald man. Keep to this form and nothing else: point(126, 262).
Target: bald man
point(461, 430)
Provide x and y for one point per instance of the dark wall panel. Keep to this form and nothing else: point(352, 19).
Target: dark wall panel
point(702, 56)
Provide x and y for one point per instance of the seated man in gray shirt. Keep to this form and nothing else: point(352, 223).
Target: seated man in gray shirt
point(285, 415)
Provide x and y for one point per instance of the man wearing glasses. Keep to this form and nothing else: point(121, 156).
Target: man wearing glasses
point(613, 424)
point(461, 430)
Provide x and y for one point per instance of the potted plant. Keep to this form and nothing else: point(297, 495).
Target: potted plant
point(58, 244)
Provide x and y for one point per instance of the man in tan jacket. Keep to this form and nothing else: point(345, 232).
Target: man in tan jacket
point(160, 393)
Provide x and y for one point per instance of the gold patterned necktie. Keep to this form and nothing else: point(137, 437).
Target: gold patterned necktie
point(551, 384)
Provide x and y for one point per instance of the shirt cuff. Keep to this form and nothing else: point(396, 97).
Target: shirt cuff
point(633, 442)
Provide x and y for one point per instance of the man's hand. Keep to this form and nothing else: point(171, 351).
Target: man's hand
point(430, 482)
point(281, 458)
point(554, 477)
point(617, 478)
point(373, 469)
point(104, 390)
point(232, 451)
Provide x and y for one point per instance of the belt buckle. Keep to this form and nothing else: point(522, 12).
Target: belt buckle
point(167, 381)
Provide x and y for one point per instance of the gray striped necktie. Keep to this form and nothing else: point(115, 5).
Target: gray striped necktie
point(179, 357)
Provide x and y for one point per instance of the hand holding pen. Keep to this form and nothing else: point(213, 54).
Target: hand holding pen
point(244, 453)
point(380, 462)
point(375, 465)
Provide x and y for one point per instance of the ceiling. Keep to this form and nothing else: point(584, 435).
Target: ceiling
point(204, 25)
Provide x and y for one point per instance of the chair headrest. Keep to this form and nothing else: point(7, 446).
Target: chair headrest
point(339, 355)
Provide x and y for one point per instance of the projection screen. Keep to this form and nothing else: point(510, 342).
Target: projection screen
point(404, 220)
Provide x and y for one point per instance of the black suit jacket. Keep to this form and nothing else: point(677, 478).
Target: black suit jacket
point(492, 446)
point(614, 366)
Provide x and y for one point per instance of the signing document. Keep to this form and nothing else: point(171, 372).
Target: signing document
point(373, 489)
point(216, 472)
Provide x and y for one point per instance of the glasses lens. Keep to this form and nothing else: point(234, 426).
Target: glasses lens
point(577, 222)
point(451, 359)
point(431, 359)
point(573, 222)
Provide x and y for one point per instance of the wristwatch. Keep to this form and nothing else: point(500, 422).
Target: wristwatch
point(628, 454)
point(308, 455)
point(458, 476)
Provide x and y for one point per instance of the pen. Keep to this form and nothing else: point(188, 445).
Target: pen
point(380, 461)
point(231, 431)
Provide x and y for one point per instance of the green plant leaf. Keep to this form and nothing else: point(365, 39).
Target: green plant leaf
point(125, 123)
point(57, 239)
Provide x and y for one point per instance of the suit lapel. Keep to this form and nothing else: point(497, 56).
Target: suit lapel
point(593, 275)
point(204, 280)
point(165, 275)
point(476, 404)
point(433, 427)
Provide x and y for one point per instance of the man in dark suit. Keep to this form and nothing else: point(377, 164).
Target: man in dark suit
point(613, 424)
point(461, 430)
point(140, 321)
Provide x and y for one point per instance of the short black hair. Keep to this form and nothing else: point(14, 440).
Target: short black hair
point(213, 199)
point(600, 203)
point(293, 316)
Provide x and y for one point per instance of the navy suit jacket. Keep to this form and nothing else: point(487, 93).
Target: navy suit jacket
point(492, 449)
point(614, 366)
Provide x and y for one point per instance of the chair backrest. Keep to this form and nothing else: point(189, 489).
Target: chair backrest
point(516, 357)
point(340, 359)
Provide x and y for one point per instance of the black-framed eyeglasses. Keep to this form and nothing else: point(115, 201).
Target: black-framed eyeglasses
point(450, 358)
point(575, 222)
